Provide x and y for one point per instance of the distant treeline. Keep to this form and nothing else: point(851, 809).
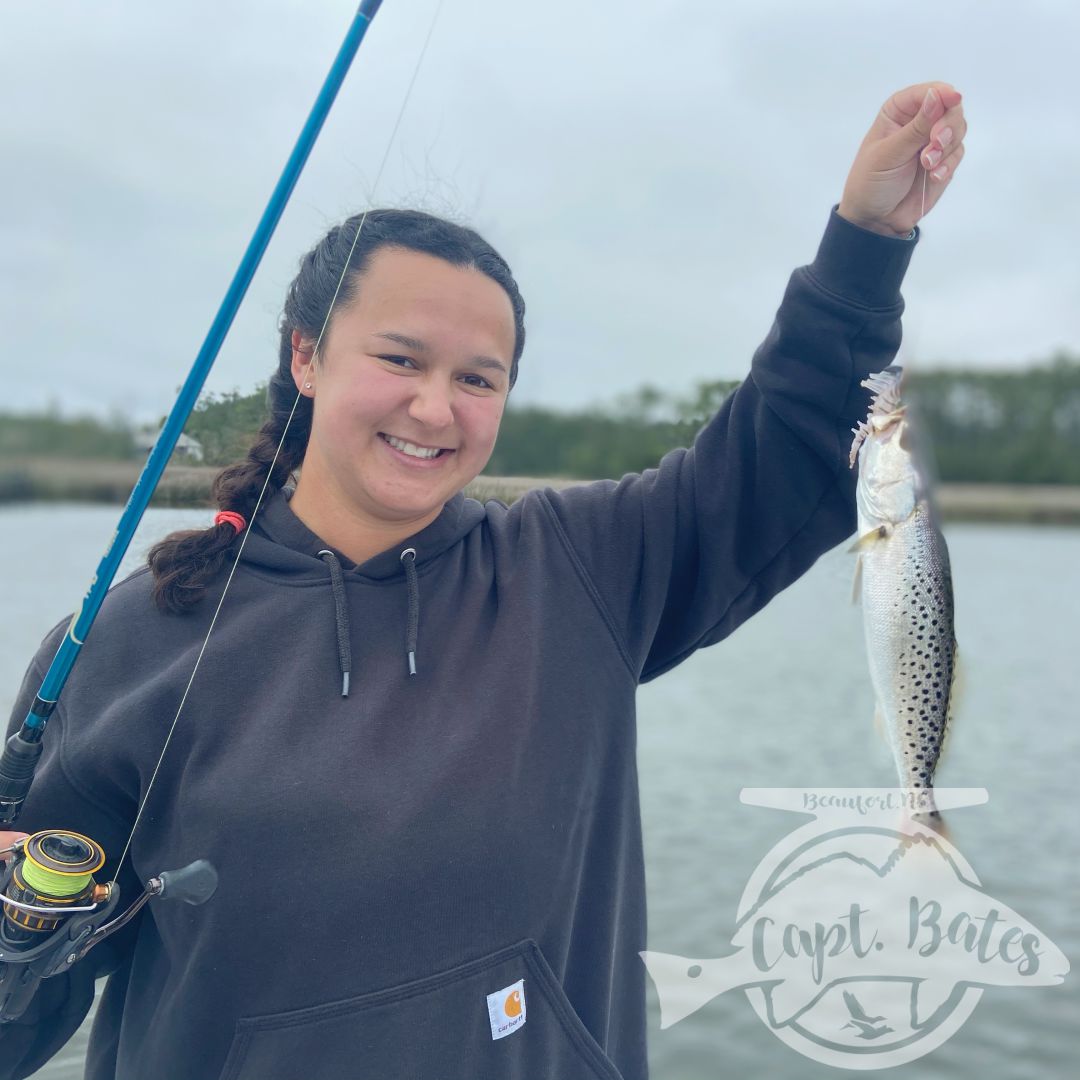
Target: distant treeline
point(51, 435)
point(985, 427)
point(1018, 427)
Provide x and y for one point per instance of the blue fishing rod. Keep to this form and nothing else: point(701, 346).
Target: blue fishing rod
point(53, 912)
point(24, 748)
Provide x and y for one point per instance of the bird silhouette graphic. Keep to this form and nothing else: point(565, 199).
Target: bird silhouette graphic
point(865, 1024)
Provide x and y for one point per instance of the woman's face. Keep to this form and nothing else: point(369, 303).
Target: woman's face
point(418, 361)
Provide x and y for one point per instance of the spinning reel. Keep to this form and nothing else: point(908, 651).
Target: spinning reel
point(54, 912)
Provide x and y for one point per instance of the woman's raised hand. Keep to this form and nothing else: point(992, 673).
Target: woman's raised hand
point(919, 130)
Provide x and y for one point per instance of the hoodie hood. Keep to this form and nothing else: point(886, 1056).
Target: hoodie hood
point(281, 542)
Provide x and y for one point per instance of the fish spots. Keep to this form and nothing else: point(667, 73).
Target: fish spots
point(907, 608)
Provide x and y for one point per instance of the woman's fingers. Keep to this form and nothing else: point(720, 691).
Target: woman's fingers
point(947, 166)
point(949, 130)
point(905, 105)
point(7, 840)
point(945, 139)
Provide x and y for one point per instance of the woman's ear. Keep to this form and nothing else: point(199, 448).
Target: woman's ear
point(303, 368)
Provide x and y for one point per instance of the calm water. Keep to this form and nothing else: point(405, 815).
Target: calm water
point(784, 702)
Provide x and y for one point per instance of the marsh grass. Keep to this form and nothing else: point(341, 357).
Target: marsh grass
point(66, 480)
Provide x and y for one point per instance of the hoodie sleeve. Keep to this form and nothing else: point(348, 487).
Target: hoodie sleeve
point(62, 1002)
point(679, 556)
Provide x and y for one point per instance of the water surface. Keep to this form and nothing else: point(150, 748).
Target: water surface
point(785, 701)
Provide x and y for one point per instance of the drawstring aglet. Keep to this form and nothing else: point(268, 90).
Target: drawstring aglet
point(344, 684)
point(414, 605)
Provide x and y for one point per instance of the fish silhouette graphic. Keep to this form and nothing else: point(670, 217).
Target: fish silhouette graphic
point(835, 907)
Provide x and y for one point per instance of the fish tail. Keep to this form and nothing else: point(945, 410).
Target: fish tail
point(922, 813)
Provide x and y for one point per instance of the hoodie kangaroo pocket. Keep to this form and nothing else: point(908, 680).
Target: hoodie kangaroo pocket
point(500, 1017)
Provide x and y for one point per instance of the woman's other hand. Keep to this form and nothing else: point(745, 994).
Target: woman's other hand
point(918, 131)
point(6, 840)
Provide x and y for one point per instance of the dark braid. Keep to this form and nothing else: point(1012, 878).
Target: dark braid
point(185, 563)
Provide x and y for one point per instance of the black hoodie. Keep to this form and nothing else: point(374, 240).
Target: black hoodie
point(440, 876)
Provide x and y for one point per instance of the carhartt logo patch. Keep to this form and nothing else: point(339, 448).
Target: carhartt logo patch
point(506, 1009)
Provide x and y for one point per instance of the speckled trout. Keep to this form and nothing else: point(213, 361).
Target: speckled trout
point(904, 582)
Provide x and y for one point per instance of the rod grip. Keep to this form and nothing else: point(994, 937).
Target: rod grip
point(17, 765)
point(18, 984)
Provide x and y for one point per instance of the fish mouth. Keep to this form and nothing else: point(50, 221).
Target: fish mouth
point(886, 387)
point(886, 407)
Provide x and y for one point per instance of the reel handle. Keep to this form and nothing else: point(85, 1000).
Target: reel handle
point(194, 883)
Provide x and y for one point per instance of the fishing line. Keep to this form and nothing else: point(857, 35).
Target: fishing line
point(281, 442)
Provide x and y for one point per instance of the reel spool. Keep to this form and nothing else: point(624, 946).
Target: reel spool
point(54, 912)
point(55, 872)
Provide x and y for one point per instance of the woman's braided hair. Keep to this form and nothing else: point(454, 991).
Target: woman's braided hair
point(185, 562)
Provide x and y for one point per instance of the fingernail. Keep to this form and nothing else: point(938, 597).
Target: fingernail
point(932, 157)
point(944, 137)
point(939, 174)
point(929, 101)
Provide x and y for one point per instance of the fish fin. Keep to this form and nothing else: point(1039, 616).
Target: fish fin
point(868, 540)
point(856, 581)
point(959, 683)
point(956, 693)
point(879, 722)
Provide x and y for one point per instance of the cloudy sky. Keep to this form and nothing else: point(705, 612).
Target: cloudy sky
point(653, 172)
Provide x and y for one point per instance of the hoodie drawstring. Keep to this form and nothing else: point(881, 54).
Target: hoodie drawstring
point(341, 615)
point(341, 612)
point(414, 606)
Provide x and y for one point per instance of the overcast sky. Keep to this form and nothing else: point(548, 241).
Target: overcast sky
point(652, 171)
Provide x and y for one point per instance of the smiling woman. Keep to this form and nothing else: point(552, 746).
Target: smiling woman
point(395, 435)
point(452, 784)
point(340, 399)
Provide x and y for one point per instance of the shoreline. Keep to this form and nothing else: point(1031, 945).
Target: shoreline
point(54, 480)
